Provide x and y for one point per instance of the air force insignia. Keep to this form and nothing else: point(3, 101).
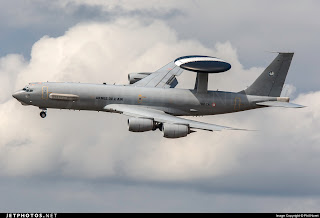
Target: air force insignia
point(271, 73)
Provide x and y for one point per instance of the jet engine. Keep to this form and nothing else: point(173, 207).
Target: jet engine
point(135, 77)
point(175, 130)
point(141, 124)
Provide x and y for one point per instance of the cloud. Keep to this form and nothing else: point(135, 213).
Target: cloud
point(126, 5)
point(249, 28)
point(97, 146)
point(10, 67)
point(78, 196)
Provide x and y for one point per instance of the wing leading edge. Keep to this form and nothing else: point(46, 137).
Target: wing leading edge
point(160, 116)
point(165, 77)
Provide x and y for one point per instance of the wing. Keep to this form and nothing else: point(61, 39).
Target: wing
point(160, 116)
point(162, 78)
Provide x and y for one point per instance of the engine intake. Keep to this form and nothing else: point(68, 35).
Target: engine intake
point(140, 124)
point(135, 77)
point(175, 130)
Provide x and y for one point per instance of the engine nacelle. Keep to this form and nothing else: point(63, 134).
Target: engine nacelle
point(175, 130)
point(135, 77)
point(140, 124)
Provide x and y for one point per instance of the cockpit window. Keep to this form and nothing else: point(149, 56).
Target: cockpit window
point(27, 89)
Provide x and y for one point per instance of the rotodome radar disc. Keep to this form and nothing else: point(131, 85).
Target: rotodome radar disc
point(202, 64)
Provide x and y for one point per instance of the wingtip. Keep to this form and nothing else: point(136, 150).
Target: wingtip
point(302, 106)
point(250, 130)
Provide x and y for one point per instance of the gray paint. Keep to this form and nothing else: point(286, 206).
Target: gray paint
point(151, 98)
point(96, 97)
point(270, 82)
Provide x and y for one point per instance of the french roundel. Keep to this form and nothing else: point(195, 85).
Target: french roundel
point(202, 64)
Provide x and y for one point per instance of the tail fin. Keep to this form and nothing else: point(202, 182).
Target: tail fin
point(271, 81)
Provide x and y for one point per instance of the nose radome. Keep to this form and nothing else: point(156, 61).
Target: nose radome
point(17, 95)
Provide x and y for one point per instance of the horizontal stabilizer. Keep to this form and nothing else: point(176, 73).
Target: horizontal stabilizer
point(279, 104)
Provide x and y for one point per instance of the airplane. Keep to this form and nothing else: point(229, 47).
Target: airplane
point(152, 102)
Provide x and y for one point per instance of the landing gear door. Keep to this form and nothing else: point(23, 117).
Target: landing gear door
point(44, 92)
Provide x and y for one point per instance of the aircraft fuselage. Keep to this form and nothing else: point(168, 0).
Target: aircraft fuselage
point(178, 102)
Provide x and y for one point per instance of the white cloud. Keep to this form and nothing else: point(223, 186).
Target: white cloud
point(98, 146)
point(127, 5)
point(10, 67)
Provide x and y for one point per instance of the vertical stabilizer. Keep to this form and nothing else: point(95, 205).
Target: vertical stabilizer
point(270, 82)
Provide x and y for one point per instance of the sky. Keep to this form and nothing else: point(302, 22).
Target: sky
point(88, 162)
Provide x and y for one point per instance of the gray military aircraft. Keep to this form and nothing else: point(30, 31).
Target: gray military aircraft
point(152, 102)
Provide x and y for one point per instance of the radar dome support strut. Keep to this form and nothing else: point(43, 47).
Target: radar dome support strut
point(203, 65)
point(201, 84)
